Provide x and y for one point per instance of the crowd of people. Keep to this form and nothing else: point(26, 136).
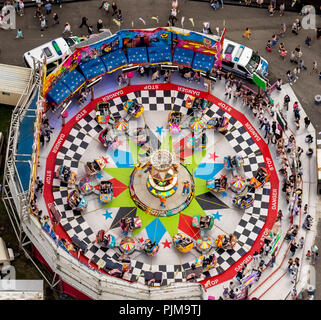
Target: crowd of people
point(295, 55)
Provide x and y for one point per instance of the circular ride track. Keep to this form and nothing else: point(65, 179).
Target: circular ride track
point(78, 144)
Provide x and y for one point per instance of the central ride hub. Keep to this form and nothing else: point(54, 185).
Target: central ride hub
point(162, 176)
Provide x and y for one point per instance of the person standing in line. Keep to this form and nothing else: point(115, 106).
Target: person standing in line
point(293, 247)
point(286, 100)
point(272, 261)
point(42, 138)
point(301, 242)
point(256, 257)
point(267, 248)
point(39, 184)
point(228, 91)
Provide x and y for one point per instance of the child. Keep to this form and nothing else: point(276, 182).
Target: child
point(247, 33)
point(301, 242)
point(308, 255)
point(283, 54)
point(308, 41)
point(269, 46)
point(19, 34)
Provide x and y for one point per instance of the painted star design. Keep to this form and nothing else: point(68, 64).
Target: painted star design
point(141, 239)
point(217, 216)
point(107, 215)
point(120, 142)
point(159, 130)
point(213, 156)
point(166, 244)
point(224, 194)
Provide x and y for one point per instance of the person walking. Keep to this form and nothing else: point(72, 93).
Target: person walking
point(43, 23)
point(307, 41)
point(119, 16)
point(247, 33)
point(106, 6)
point(275, 40)
point(39, 184)
point(290, 77)
point(314, 67)
point(21, 7)
point(295, 74)
point(84, 22)
point(302, 65)
point(114, 7)
point(67, 29)
point(64, 115)
point(163, 201)
point(55, 18)
point(48, 7)
point(282, 9)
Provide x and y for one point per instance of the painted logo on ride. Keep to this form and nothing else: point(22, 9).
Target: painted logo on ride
point(8, 17)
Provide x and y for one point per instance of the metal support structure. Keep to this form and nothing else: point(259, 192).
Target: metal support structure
point(15, 199)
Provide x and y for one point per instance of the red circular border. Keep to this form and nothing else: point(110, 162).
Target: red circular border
point(274, 181)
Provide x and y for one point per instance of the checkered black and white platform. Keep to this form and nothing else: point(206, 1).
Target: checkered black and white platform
point(85, 134)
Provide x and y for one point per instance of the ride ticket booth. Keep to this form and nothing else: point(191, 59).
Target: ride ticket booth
point(319, 165)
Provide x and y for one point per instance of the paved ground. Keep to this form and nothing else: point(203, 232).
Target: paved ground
point(236, 19)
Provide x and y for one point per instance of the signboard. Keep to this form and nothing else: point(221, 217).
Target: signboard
point(260, 82)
